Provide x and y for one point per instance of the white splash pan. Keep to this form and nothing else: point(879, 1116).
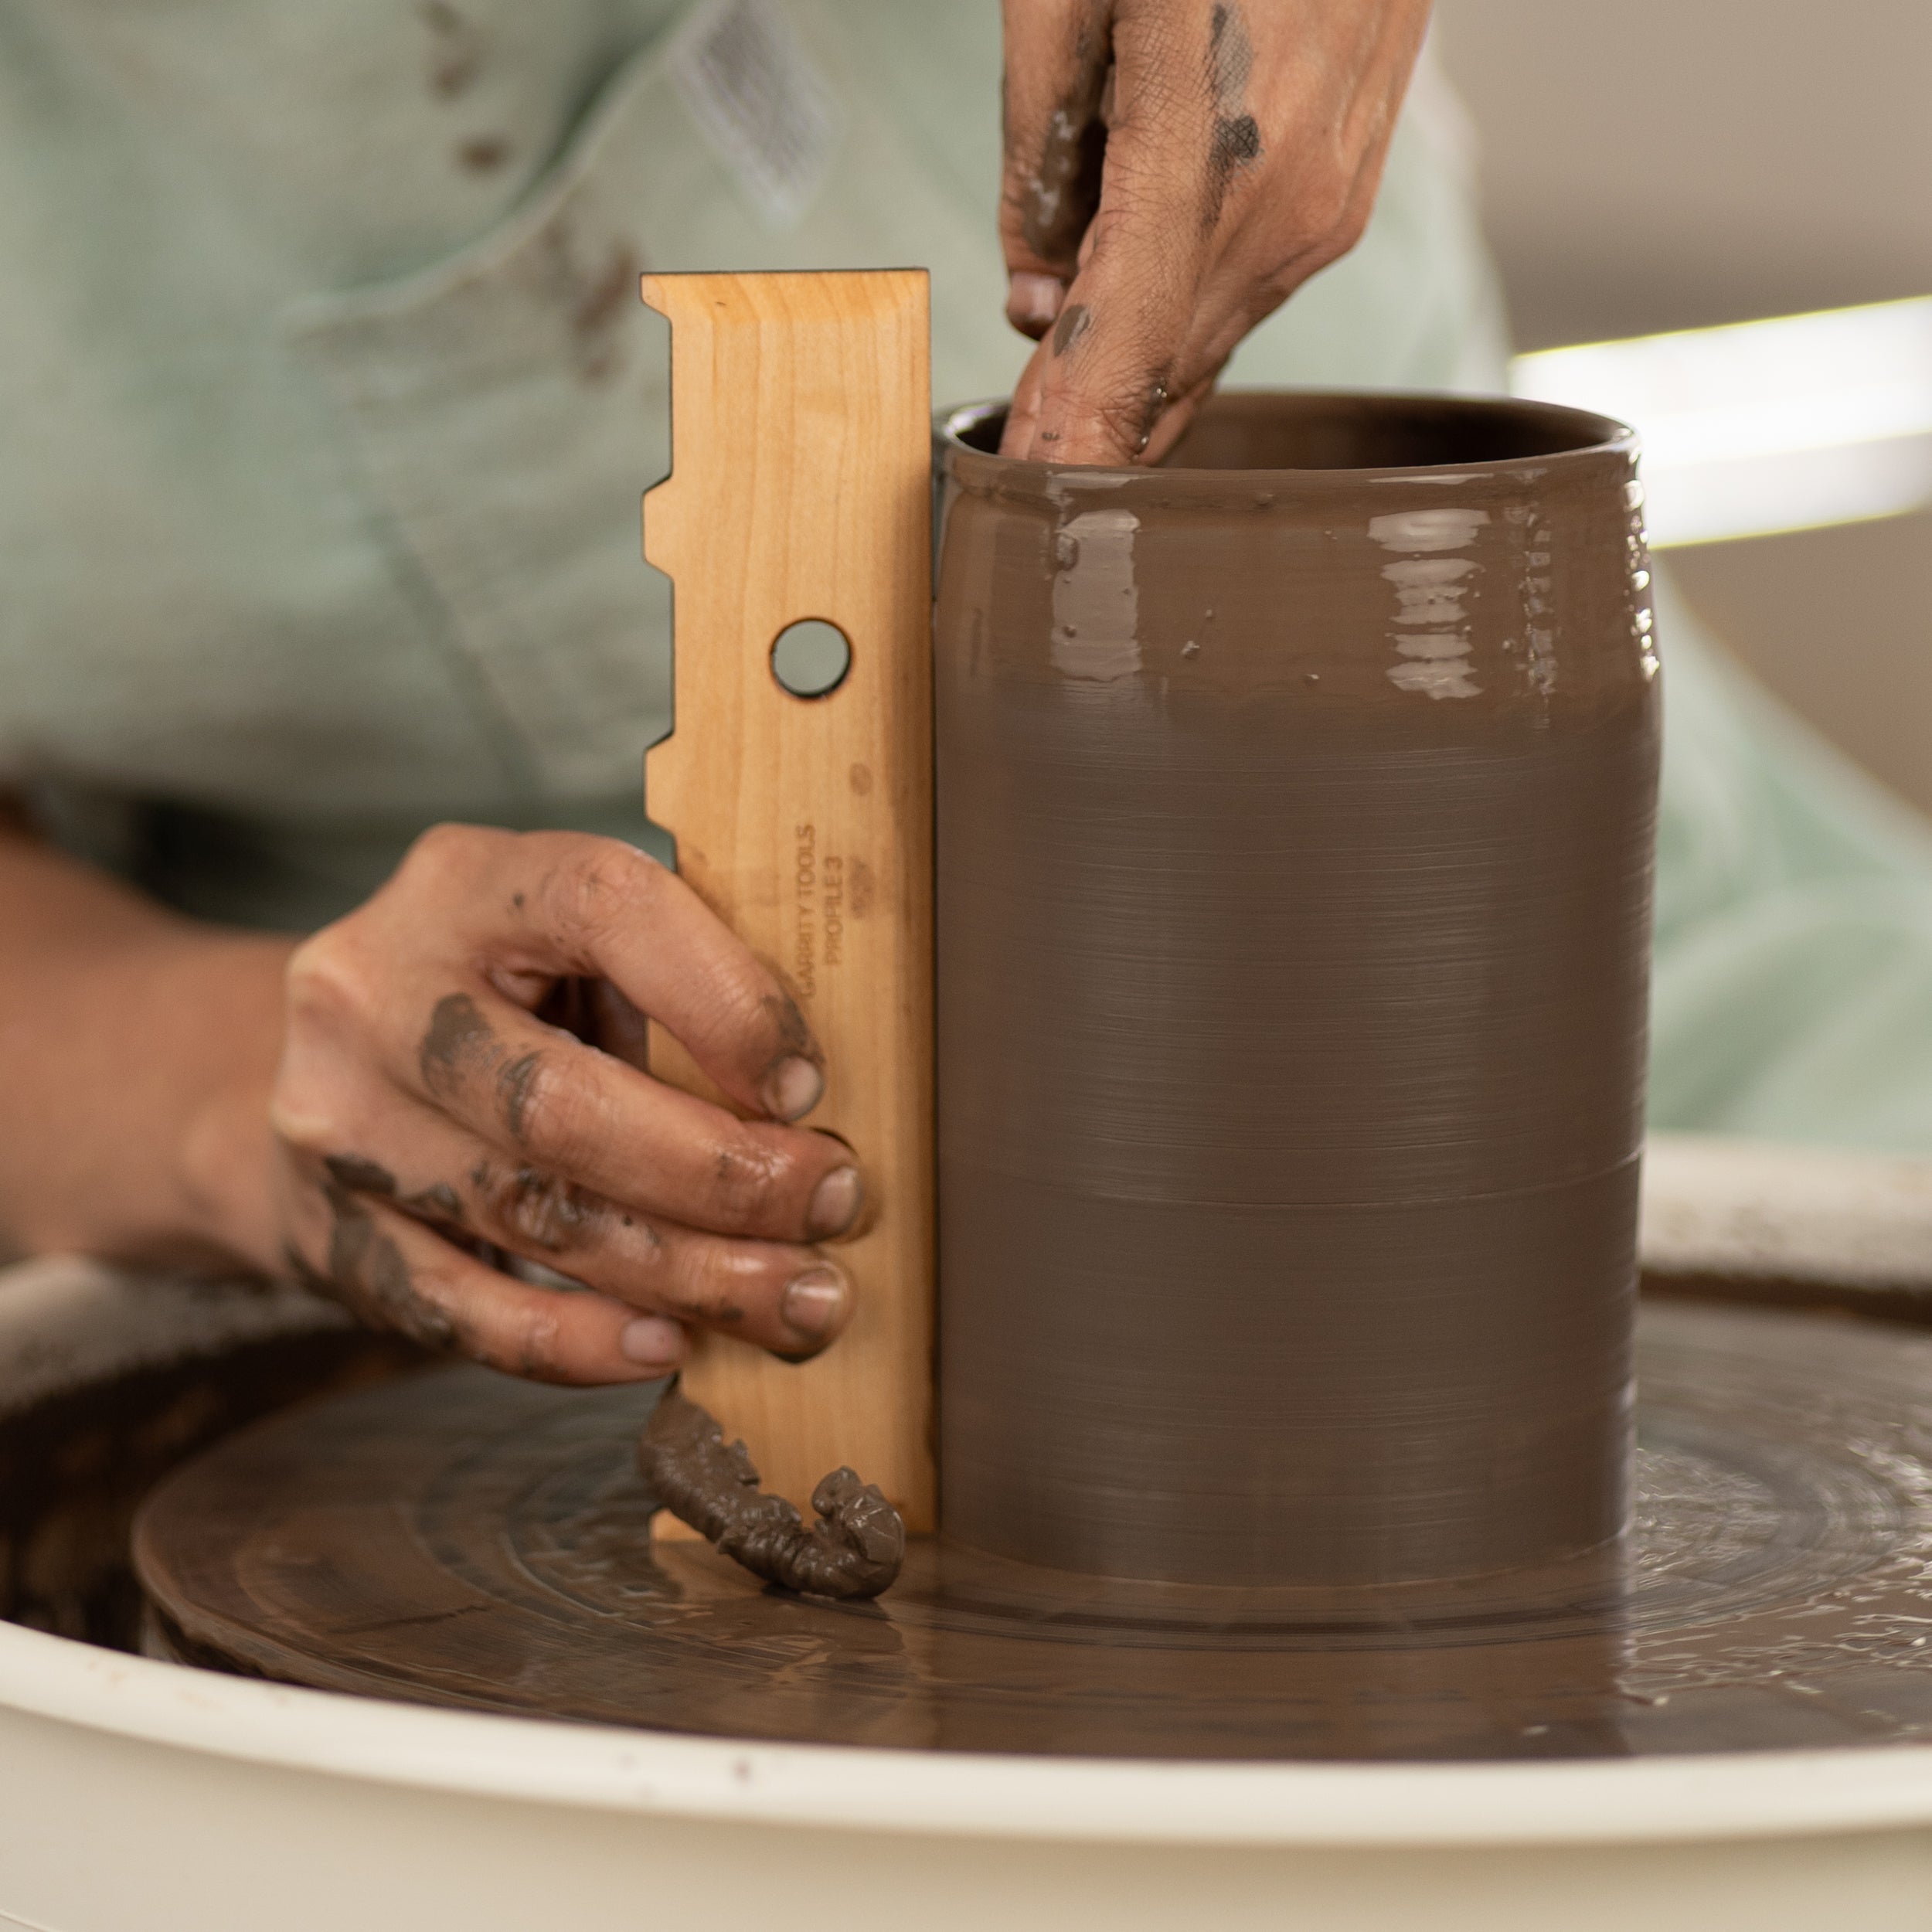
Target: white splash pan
point(142, 1797)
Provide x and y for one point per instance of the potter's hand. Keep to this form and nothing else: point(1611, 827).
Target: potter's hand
point(464, 1071)
point(1176, 169)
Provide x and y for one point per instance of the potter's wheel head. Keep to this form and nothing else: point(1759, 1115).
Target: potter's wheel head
point(463, 1539)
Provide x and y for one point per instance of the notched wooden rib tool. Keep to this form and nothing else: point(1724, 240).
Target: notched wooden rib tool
point(800, 491)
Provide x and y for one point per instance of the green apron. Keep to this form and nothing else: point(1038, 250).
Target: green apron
point(326, 400)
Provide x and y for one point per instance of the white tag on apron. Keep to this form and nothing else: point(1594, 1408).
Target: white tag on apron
point(762, 102)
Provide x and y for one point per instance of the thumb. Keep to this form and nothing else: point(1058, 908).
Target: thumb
point(1058, 54)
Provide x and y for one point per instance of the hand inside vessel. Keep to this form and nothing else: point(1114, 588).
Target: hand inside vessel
point(1175, 170)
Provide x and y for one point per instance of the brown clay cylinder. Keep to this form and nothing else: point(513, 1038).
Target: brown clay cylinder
point(1296, 810)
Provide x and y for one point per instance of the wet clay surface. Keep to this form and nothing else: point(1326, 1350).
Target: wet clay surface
point(854, 1550)
point(1295, 810)
point(464, 1539)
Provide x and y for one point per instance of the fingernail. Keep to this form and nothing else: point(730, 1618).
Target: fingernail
point(813, 1303)
point(653, 1340)
point(793, 1086)
point(835, 1202)
point(1033, 301)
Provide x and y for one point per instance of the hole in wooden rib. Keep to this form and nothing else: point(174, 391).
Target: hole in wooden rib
point(810, 659)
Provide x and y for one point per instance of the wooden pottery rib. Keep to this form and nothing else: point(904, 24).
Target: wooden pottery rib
point(800, 489)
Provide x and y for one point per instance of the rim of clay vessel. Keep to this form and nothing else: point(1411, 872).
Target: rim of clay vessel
point(1442, 439)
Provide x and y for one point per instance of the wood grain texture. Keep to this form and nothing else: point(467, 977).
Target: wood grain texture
point(800, 488)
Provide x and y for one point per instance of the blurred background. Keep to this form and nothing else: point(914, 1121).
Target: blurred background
point(1656, 165)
